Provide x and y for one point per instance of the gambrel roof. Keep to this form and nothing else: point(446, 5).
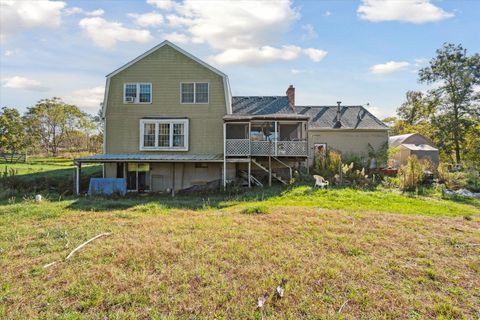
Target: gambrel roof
point(226, 83)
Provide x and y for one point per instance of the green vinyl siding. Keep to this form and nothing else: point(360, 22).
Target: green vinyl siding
point(165, 69)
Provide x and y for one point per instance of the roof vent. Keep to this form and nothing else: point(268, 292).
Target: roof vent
point(338, 123)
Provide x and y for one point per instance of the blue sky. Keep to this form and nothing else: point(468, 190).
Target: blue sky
point(357, 52)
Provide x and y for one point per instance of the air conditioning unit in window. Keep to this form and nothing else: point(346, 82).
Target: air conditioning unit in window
point(130, 99)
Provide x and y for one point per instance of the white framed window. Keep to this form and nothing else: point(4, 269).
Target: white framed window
point(194, 92)
point(137, 93)
point(164, 134)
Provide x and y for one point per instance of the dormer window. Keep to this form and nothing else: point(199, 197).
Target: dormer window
point(194, 92)
point(137, 93)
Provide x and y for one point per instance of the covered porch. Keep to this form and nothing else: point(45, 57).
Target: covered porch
point(262, 136)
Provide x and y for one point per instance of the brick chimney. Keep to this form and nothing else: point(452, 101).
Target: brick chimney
point(291, 96)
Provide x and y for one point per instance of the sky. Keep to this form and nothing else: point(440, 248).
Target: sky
point(365, 52)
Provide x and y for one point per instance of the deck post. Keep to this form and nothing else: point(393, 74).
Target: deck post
point(269, 171)
point(276, 138)
point(173, 179)
point(78, 172)
point(224, 156)
point(250, 172)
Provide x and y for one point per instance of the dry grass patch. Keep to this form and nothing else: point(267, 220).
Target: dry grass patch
point(208, 264)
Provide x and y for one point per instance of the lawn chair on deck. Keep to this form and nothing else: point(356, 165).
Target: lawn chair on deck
point(320, 181)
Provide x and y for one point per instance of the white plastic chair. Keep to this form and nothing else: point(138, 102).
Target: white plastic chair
point(320, 181)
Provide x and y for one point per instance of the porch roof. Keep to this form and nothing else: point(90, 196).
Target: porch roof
point(141, 157)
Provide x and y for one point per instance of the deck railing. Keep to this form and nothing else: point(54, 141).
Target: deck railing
point(246, 147)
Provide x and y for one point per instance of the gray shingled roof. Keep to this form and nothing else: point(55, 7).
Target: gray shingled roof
point(261, 105)
point(352, 117)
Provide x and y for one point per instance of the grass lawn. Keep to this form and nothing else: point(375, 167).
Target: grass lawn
point(53, 174)
point(379, 254)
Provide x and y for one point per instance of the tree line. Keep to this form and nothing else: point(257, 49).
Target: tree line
point(448, 113)
point(50, 127)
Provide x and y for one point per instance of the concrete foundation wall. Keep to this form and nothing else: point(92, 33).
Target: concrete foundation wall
point(162, 175)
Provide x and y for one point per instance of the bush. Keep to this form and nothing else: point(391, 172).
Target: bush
point(410, 175)
point(255, 210)
point(468, 178)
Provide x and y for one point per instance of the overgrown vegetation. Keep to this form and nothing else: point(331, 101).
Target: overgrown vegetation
point(203, 258)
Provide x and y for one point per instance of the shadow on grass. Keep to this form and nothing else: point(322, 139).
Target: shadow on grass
point(184, 201)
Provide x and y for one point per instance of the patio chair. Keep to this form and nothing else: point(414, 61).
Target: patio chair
point(320, 181)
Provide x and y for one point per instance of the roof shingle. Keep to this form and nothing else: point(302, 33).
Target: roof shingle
point(321, 117)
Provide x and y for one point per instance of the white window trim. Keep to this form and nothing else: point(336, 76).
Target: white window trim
point(171, 122)
point(137, 97)
point(195, 92)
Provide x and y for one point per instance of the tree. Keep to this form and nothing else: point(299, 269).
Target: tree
point(415, 115)
point(51, 121)
point(12, 131)
point(455, 76)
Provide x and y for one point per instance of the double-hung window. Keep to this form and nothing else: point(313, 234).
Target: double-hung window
point(137, 93)
point(164, 134)
point(194, 92)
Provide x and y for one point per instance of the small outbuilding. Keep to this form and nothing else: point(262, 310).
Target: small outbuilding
point(413, 144)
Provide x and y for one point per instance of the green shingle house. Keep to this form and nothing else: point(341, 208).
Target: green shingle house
point(171, 123)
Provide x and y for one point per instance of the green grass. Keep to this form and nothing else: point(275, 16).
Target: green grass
point(166, 261)
point(53, 175)
point(56, 168)
point(211, 256)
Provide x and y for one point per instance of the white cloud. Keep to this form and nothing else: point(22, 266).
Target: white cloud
point(8, 53)
point(309, 33)
point(150, 19)
point(106, 34)
point(87, 99)
point(242, 31)
point(176, 37)
point(76, 10)
point(299, 71)
point(255, 55)
point(72, 10)
point(162, 4)
point(389, 67)
point(17, 16)
point(18, 82)
point(236, 24)
point(327, 14)
point(95, 13)
point(315, 55)
point(414, 11)
point(175, 21)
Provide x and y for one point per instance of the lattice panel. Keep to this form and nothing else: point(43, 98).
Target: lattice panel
point(237, 147)
point(292, 148)
point(263, 148)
